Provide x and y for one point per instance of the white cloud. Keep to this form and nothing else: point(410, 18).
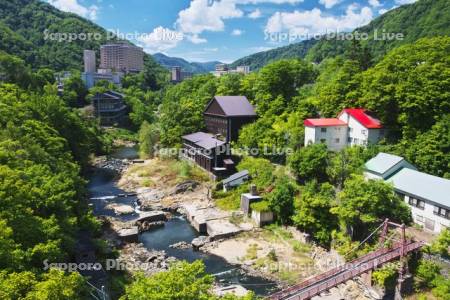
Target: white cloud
point(202, 16)
point(266, 1)
point(329, 3)
point(374, 3)
point(259, 49)
point(160, 39)
point(207, 15)
point(401, 2)
point(237, 32)
point(195, 39)
point(74, 7)
point(255, 14)
point(315, 22)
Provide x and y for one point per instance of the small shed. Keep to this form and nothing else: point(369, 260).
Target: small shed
point(235, 180)
point(261, 213)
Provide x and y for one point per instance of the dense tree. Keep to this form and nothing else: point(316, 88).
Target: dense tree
point(429, 276)
point(41, 191)
point(181, 111)
point(310, 162)
point(441, 245)
point(346, 162)
point(261, 170)
point(336, 85)
point(75, 91)
point(430, 152)
point(363, 204)
point(181, 281)
point(312, 213)
point(281, 200)
point(56, 285)
point(148, 138)
point(409, 88)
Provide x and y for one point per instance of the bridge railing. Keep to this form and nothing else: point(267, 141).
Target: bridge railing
point(349, 270)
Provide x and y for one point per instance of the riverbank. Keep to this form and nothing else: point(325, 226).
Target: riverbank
point(170, 240)
point(280, 255)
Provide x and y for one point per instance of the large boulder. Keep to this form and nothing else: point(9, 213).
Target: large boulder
point(129, 235)
point(185, 186)
point(151, 216)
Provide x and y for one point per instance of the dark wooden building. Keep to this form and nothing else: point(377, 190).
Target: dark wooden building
point(206, 151)
point(225, 115)
point(110, 108)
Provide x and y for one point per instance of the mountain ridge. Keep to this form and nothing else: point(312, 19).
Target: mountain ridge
point(194, 67)
point(424, 18)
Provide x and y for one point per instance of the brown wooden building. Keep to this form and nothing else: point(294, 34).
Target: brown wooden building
point(225, 115)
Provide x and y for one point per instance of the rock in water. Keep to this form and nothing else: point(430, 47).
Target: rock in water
point(129, 235)
point(121, 209)
point(181, 245)
point(199, 242)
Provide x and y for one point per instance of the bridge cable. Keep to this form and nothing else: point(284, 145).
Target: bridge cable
point(365, 240)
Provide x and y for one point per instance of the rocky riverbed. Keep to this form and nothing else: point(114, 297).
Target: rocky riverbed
point(192, 199)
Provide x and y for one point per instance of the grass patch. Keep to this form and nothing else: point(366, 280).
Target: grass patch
point(261, 206)
point(300, 247)
point(277, 231)
point(147, 182)
point(252, 252)
point(167, 172)
point(122, 134)
point(236, 218)
point(230, 200)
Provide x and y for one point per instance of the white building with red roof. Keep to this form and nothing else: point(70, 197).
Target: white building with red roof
point(353, 126)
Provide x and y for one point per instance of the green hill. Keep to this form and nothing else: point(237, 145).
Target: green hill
point(26, 27)
point(425, 18)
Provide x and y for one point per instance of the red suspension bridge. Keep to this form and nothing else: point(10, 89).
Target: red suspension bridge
point(332, 278)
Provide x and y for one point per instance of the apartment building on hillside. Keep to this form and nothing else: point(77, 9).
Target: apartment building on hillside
point(353, 126)
point(121, 57)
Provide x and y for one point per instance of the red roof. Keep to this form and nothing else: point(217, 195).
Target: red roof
point(324, 122)
point(362, 116)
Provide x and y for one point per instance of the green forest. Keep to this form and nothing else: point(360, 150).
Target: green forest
point(47, 142)
point(425, 18)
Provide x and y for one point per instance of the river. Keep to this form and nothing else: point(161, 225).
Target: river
point(103, 185)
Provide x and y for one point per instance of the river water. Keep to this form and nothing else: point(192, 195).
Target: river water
point(102, 188)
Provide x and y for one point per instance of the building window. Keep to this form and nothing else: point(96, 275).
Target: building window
point(416, 203)
point(419, 218)
point(337, 141)
point(429, 224)
point(323, 130)
point(323, 141)
point(349, 139)
point(442, 212)
point(363, 131)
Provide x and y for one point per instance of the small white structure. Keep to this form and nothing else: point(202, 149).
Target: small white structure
point(428, 196)
point(353, 126)
point(262, 218)
point(384, 165)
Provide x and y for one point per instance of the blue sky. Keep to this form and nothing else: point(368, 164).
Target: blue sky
point(225, 30)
